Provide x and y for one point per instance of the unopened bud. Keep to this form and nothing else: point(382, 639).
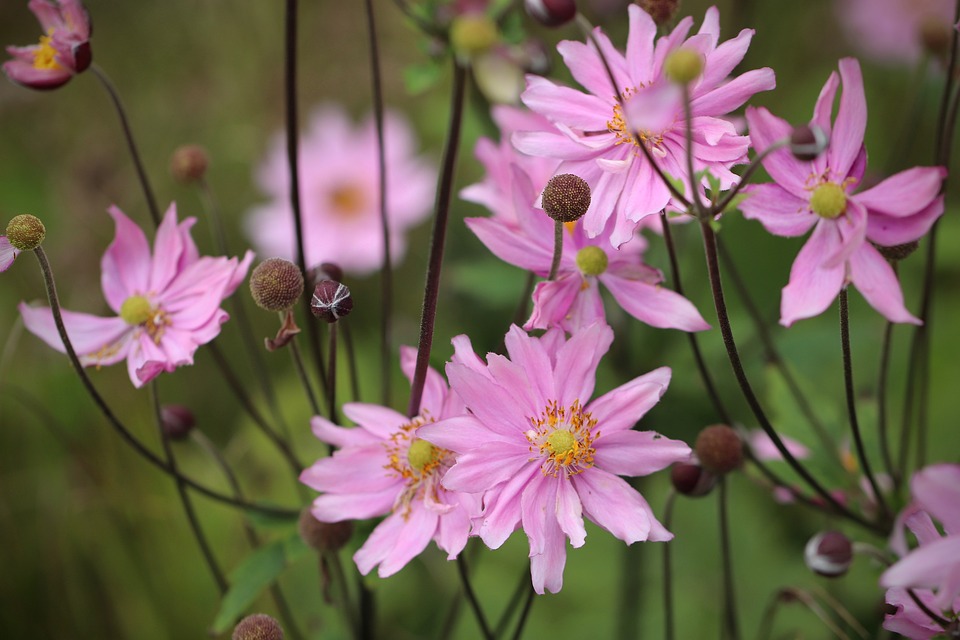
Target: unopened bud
point(551, 13)
point(829, 553)
point(331, 300)
point(662, 11)
point(936, 35)
point(807, 142)
point(25, 232)
point(566, 197)
point(473, 34)
point(691, 480)
point(176, 420)
point(189, 163)
point(324, 536)
point(898, 251)
point(276, 284)
point(259, 626)
point(324, 271)
point(683, 66)
point(719, 449)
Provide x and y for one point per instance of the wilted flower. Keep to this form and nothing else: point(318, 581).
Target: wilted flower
point(63, 50)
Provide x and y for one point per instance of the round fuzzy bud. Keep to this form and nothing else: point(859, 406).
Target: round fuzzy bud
point(719, 449)
point(683, 66)
point(25, 232)
point(662, 11)
point(331, 300)
point(935, 34)
point(691, 480)
point(566, 197)
point(176, 420)
point(473, 34)
point(276, 284)
point(898, 251)
point(324, 536)
point(259, 626)
point(189, 163)
point(829, 553)
point(551, 13)
point(807, 142)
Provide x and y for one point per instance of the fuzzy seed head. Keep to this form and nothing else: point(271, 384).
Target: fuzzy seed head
point(276, 284)
point(683, 66)
point(25, 232)
point(662, 11)
point(566, 197)
point(551, 13)
point(828, 201)
point(259, 626)
point(189, 163)
point(898, 251)
point(719, 449)
point(592, 261)
point(324, 536)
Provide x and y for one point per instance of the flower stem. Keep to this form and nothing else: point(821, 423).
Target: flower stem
point(513, 602)
point(524, 613)
point(698, 207)
point(125, 434)
point(332, 374)
point(668, 623)
point(557, 249)
point(729, 594)
point(431, 291)
point(351, 361)
point(883, 370)
point(472, 598)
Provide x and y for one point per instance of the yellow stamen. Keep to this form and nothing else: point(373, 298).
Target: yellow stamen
point(347, 200)
point(45, 57)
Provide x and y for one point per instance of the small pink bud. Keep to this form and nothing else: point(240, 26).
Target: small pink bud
point(691, 480)
point(176, 420)
point(551, 13)
point(829, 553)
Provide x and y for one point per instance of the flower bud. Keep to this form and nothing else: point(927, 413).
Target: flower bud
point(662, 11)
point(259, 626)
point(566, 197)
point(25, 232)
point(331, 300)
point(473, 34)
point(719, 449)
point(683, 66)
point(898, 251)
point(691, 480)
point(189, 163)
point(551, 13)
point(276, 284)
point(324, 536)
point(176, 421)
point(936, 35)
point(829, 553)
point(807, 142)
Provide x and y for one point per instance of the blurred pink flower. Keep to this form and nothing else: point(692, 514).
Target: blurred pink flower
point(765, 450)
point(381, 467)
point(8, 253)
point(894, 30)
point(339, 190)
point(168, 304)
point(63, 51)
point(820, 195)
point(592, 136)
point(544, 454)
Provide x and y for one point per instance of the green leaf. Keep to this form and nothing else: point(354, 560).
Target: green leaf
point(418, 78)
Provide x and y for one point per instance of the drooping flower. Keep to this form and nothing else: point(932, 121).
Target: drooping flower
point(572, 300)
point(897, 30)
point(820, 194)
point(383, 467)
point(339, 189)
point(63, 50)
point(543, 454)
point(595, 141)
point(167, 303)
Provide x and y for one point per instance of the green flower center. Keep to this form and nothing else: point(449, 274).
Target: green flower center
point(420, 454)
point(136, 310)
point(561, 441)
point(592, 261)
point(829, 201)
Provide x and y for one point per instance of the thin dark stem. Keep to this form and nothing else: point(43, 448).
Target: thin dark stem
point(302, 375)
point(472, 598)
point(513, 602)
point(386, 275)
point(332, 558)
point(331, 389)
point(698, 207)
point(744, 180)
point(852, 403)
point(557, 249)
point(524, 613)
point(668, 633)
point(733, 355)
point(940, 620)
point(883, 371)
point(131, 143)
point(125, 434)
point(431, 291)
point(351, 361)
point(729, 593)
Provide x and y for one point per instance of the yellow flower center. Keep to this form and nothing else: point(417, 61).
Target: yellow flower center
point(592, 261)
point(45, 57)
point(137, 311)
point(618, 126)
point(418, 462)
point(563, 437)
point(828, 200)
point(347, 200)
point(420, 454)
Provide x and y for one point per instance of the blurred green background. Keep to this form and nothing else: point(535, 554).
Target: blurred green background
point(93, 542)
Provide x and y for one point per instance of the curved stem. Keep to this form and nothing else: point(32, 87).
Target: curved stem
point(698, 207)
point(472, 598)
point(744, 180)
point(524, 613)
point(557, 249)
point(302, 375)
point(513, 602)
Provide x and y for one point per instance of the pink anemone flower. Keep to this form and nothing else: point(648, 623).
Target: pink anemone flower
point(543, 454)
point(340, 192)
point(820, 194)
point(383, 467)
point(63, 50)
point(594, 140)
point(167, 304)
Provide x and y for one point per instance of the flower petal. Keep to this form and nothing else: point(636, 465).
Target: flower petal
point(812, 287)
point(653, 304)
point(905, 193)
point(875, 280)
point(851, 124)
point(779, 211)
point(125, 267)
point(622, 407)
point(577, 360)
point(937, 490)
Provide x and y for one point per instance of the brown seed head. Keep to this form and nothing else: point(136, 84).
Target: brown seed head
point(324, 536)
point(276, 284)
point(259, 626)
point(662, 11)
point(719, 449)
point(566, 197)
point(189, 163)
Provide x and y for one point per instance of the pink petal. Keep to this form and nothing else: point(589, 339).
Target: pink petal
point(330, 433)
point(786, 170)
point(573, 108)
point(453, 529)
point(722, 61)
point(853, 232)
point(538, 504)
point(125, 268)
point(88, 334)
point(622, 407)
point(7, 254)
point(875, 280)
point(486, 399)
point(26, 75)
point(355, 470)
point(168, 248)
point(546, 569)
point(655, 305)
point(613, 504)
point(481, 469)
point(928, 566)
point(382, 422)
point(577, 362)
point(531, 357)
point(419, 527)
point(779, 211)
point(435, 387)
point(511, 247)
point(637, 453)
point(643, 32)
point(502, 507)
point(460, 434)
point(937, 490)
point(888, 231)
point(587, 307)
point(586, 67)
point(812, 287)
point(904, 193)
point(552, 145)
point(732, 95)
point(569, 513)
point(334, 507)
point(847, 137)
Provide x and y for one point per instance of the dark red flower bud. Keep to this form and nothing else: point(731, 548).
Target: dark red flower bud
point(719, 449)
point(807, 142)
point(188, 163)
point(331, 300)
point(829, 553)
point(324, 536)
point(691, 480)
point(176, 420)
point(551, 13)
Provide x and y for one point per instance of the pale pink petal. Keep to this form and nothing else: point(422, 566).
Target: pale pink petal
point(326, 431)
point(929, 566)
point(667, 44)
point(434, 387)
point(382, 422)
point(563, 104)
point(586, 67)
point(453, 530)
point(546, 569)
point(812, 287)
point(905, 193)
point(482, 469)
point(336, 507)
point(514, 382)
point(553, 145)
point(25, 74)
point(88, 334)
point(502, 507)
point(569, 513)
point(419, 527)
point(779, 211)
point(788, 172)
point(538, 504)
point(7, 254)
point(460, 434)
point(613, 504)
point(887, 231)
point(823, 110)
point(637, 453)
point(851, 123)
point(530, 356)
point(125, 268)
point(937, 490)
point(732, 95)
point(763, 447)
point(721, 62)
point(643, 32)
point(510, 246)
point(622, 407)
point(654, 305)
point(875, 280)
point(577, 362)
point(852, 227)
point(605, 194)
point(909, 620)
point(354, 470)
point(168, 248)
point(485, 398)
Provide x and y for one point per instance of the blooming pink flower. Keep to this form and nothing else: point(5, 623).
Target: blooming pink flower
point(592, 136)
point(894, 30)
point(8, 253)
point(63, 51)
point(167, 304)
point(933, 568)
point(572, 300)
point(382, 466)
point(820, 195)
point(543, 453)
point(339, 188)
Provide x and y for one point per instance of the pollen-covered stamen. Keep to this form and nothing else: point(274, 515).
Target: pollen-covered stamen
point(417, 462)
point(138, 311)
point(45, 56)
point(618, 125)
point(828, 200)
point(563, 437)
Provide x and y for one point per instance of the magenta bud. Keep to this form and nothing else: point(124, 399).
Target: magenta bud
point(176, 420)
point(331, 300)
point(691, 480)
point(551, 13)
point(829, 553)
point(807, 142)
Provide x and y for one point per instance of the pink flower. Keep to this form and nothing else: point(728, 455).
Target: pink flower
point(572, 300)
point(8, 253)
point(543, 454)
point(339, 189)
point(820, 195)
point(765, 450)
point(383, 467)
point(167, 304)
point(63, 51)
point(894, 30)
point(594, 141)
point(933, 568)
